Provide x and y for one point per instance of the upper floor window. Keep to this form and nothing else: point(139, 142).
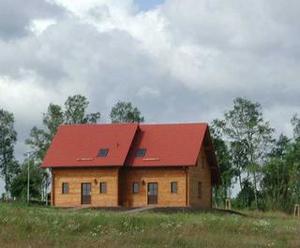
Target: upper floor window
point(65, 188)
point(174, 187)
point(135, 187)
point(141, 152)
point(103, 152)
point(103, 187)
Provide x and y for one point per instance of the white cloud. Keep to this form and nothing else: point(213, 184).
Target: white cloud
point(38, 26)
point(182, 61)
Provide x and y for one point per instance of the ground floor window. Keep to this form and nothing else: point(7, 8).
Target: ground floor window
point(199, 190)
point(135, 187)
point(103, 187)
point(65, 188)
point(174, 187)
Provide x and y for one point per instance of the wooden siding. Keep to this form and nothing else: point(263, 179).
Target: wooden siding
point(200, 173)
point(87, 175)
point(120, 182)
point(162, 176)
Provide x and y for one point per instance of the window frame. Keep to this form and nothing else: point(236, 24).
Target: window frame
point(101, 189)
point(174, 190)
point(65, 188)
point(103, 152)
point(134, 189)
point(140, 152)
point(199, 190)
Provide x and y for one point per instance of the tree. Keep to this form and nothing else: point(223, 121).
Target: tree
point(246, 196)
point(8, 138)
point(296, 124)
point(293, 162)
point(19, 184)
point(276, 176)
point(53, 118)
point(40, 138)
point(74, 112)
point(227, 171)
point(75, 108)
point(238, 153)
point(281, 174)
point(125, 112)
point(250, 138)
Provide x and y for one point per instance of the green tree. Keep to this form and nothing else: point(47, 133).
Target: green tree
point(227, 171)
point(281, 174)
point(250, 136)
point(125, 112)
point(296, 124)
point(74, 112)
point(238, 153)
point(40, 138)
point(39, 141)
point(19, 184)
point(293, 162)
point(8, 138)
point(246, 196)
point(276, 176)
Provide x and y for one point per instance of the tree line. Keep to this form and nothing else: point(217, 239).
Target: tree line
point(265, 168)
point(74, 111)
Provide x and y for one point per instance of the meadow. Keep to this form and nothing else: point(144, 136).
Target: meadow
point(33, 226)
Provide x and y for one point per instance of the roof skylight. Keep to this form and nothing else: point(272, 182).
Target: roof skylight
point(141, 152)
point(103, 152)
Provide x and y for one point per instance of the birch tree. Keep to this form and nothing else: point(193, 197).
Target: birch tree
point(8, 138)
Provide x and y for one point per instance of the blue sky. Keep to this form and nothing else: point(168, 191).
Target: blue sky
point(148, 4)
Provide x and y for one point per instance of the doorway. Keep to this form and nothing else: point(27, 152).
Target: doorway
point(152, 193)
point(86, 193)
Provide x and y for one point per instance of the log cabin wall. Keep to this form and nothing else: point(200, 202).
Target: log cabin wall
point(200, 188)
point(119, 184)
point(162, 176)
point(75, 177)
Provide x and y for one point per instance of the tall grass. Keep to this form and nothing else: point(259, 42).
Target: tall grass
point(23, 226)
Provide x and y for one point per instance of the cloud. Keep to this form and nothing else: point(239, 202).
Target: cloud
point(16, 16)
point(181, 61)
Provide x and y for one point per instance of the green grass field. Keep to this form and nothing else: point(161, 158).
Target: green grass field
point(22, 226)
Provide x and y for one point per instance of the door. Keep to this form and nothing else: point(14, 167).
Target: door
point(85, 193)
point(152, 193)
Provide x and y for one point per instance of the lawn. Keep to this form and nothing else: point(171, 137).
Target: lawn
point(22, 226)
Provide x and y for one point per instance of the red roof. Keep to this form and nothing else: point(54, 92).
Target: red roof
point(167, 144)
point(78, 145)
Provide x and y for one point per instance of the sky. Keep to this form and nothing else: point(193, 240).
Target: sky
point(177, 61)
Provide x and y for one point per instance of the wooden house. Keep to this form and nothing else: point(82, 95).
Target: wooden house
point(132, 165)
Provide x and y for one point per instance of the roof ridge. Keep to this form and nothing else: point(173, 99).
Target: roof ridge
point(173, 123)
point(98, 124)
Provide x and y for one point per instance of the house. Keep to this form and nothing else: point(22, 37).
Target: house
point(132, 165)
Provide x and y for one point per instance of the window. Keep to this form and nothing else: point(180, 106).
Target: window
point(173, 187)
point(135, 187)
point(199, 190)
point(103, 152)
point(203, 161)
point(65, 188)
point(141, 152)
point(103, 187)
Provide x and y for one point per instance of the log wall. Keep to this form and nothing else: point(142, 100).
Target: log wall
point(75, 177)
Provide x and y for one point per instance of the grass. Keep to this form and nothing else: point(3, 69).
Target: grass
point(23, 226)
